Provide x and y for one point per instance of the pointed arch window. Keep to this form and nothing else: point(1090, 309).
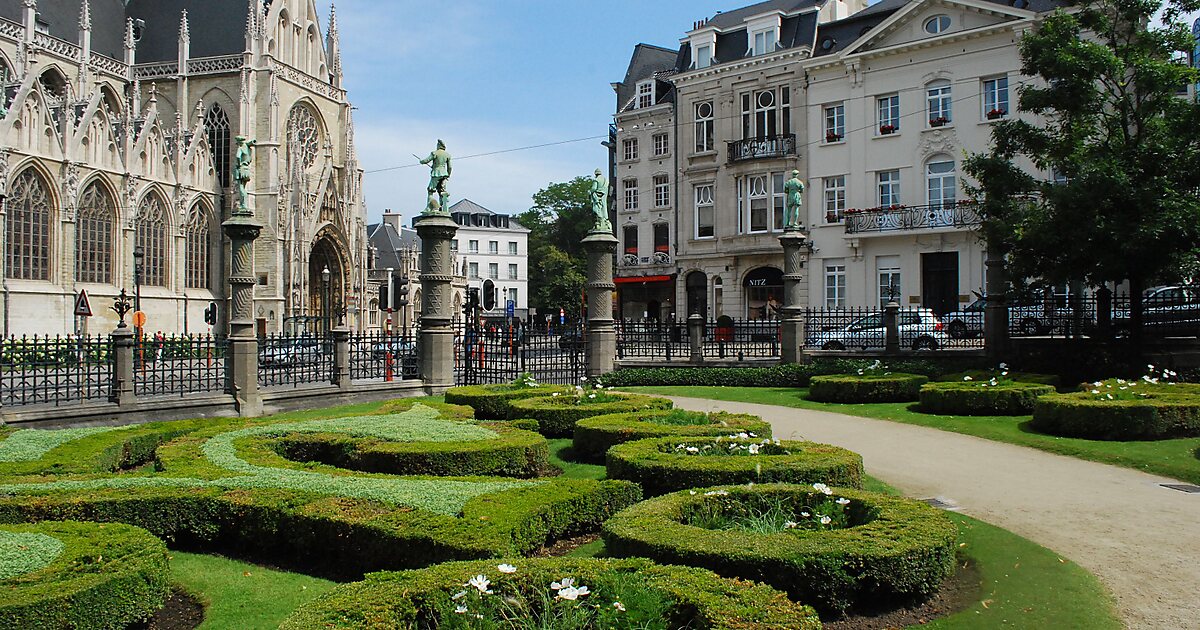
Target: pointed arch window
point(28, 228)
point(303, 136)
point(94, 225)
point(152, 238)
point(216, 125)
point(199, 246)
point(330, 206)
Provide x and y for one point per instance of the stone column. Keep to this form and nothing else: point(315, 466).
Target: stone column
point(242, 230)
point(695, 324)
point(891, 328)
point(601, 246)
point(122, 386)
point(794, 296)
point(341, 357)
point(995, 314)
point(436, 343)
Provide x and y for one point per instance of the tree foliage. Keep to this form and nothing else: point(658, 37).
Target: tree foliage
point(559, 219)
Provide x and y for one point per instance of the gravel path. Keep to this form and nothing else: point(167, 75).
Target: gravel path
point(1140, 539)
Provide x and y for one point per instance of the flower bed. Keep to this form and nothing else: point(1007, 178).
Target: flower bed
point(1122, 410)
point(883, 550)
point(79, 575)
point(492, 402)
point(866, 388)
point(662, 465)
point(557, 415)
point(554, 592)
point(990, 397)
point(595, 435)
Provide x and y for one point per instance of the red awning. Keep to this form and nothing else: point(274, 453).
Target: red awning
point(639, 279)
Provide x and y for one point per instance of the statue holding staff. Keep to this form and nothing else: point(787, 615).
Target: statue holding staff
point(599, 197)
point(440, 169)
point(242, 162)
point(793, 189)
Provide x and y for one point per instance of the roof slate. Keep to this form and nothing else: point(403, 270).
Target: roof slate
point(218, 27)
point(62, 17)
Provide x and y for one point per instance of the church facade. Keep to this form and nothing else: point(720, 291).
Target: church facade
point(115, 151)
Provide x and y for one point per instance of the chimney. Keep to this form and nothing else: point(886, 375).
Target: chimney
point(393, 219)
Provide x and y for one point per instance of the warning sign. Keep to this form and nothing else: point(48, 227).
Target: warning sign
point(82, 307)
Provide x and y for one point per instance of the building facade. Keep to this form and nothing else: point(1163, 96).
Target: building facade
point(876, 108)
point(492, 250)
point(115, 153)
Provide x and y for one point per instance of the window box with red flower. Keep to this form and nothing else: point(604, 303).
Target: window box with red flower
point(940, 121)
point(995, 114)
point(887, 130)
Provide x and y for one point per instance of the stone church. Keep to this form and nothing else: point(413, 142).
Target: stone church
point(116, 138)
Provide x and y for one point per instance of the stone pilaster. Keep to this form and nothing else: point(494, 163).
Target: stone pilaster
point(436, 343)
point(242, 230)
point(601, 246)
point(695, 325)
point(795, 296)
point(341, 357)
point(995, 314)
point(123, 354)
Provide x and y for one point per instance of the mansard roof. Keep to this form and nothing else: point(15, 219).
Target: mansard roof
point(62, 19)
point(736, 18)
point(218, 27)
point(390, 245)
point(467, 213)
point(647, 61)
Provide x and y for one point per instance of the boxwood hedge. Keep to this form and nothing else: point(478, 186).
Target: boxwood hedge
point(896, 551)
point(786, 375)
point(866, 388)
point(102, 576)
point(491, 402)
point(595, 435)
point(557, 415)
point(408, 599)
point(979, 398)
point(659, 466)
point(1164, 413)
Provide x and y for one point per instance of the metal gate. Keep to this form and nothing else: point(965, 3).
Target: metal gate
point(499, 352)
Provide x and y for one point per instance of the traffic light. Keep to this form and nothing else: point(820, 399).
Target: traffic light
point(384, 304)
point(489, 295)
point(210, 314)
point(472, 302)
point(401, 286)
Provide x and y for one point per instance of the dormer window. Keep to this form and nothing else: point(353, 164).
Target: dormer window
point(763, 42)
point(645, 94)
point(937, 24)
point(702, 57)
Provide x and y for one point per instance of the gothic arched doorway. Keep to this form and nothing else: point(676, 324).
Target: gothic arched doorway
point(326, 291)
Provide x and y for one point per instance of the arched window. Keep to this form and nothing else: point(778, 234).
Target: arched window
point(939, 101)
point(330, 206)
point(28, 229)
point(303, 136)
point(197, 271)
point(94, 226)
point(152, 239)
point(55, 86)
point(216, 125)
point(941, 182)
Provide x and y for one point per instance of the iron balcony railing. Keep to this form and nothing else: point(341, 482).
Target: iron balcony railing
point(957, 214)
point(764, 147)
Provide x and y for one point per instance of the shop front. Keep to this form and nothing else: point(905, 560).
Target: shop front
point(646, 298)
point(763, 290)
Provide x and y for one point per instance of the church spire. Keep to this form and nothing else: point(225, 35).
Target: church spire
point(333, 45)
point(85, 16)
point(185, 33)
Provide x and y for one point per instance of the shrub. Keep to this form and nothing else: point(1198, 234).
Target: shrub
point(786, 375)
point(1145, 412)
point(491, 402)
point(595, 435)
point(557, 415)
point(659, 466)
point(694, 598)
point(92, 576)
point(895, 550)
point(866, 388)
point(984, 375)
point(980, 398)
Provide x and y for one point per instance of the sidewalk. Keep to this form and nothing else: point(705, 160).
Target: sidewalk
point(1141, 540)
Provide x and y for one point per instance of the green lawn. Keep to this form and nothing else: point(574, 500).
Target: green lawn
point(1171, 458)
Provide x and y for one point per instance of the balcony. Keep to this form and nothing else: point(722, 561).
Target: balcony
point(760, 148)
point(950, 215)
point(633, 260)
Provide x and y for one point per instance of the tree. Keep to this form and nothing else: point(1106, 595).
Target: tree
point(559, 219)
point(560, 280)
point(1124, 203)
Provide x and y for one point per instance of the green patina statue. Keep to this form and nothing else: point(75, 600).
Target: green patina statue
point(440, 169)
point(242, 161)
point(794, 191)
point(599, 195)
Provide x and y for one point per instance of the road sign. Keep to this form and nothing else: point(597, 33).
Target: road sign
point(139, 319)
point(82, 308)
point(510, 308)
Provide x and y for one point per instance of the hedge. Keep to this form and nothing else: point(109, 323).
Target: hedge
point(657, 465)
point(976, 398)
point(491, 402)
point(897, 551)
point(1163, 414)
point(557, 415)
point(105, 576)
point(698, 598)
point(866, 388)
point(595, 435)
point(786, 375)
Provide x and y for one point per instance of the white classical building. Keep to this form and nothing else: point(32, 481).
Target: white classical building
point(875, 106)
point(493, 251)
point(117, 139)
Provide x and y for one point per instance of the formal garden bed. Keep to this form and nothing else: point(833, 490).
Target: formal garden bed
point(492, 402)
point(1117, 410)
point(662, 465)
point(595, 435)
point(554, 593)
point(837, 549)
point(866, 387)
point(983, 397)
point(557, 414)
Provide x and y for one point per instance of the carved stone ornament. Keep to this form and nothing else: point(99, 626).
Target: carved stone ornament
point(4, 155)
point(939, 140)
point(70, 190)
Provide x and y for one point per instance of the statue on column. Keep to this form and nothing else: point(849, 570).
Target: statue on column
point(599, 197)
point(440, 169)
point(793, 190)
point(242, 161)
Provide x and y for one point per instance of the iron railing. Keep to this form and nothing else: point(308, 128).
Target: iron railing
point(856, 328)
point(553, 354)
point(500, 352)
point(57, 370)
point(652, 339)
point(764, 147)
point(741, 339)
point(958, 214)
point(294, 361)
point(181, 365)
point(380, 356)
point(722, 339)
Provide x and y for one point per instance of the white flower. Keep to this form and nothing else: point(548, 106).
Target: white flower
point(754, 449)
point(778, 442)
point(692, 449)
point(692, 492)
point(751, 434)
point(1095, 391)
point(1097, 384)
point(619, 606)
point(860, 372)
point(825, 520)
point(481, 583)
point(679, 447)
point(506, 568)
point(565, 583)
point(843, 501)
point(716, 493)
point(459, 595)
point(992, 382)
point(743, 435)
point(790, 525)
point(804, 514)
point(1121, 381)
point(968, 378)
point(555, 394)
point(583, 378)
point(461, 610)
point(822, 488)
point(1003, 366)
point(571, 593)
point(591, 395)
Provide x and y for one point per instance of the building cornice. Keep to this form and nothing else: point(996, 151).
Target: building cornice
point(750, 63)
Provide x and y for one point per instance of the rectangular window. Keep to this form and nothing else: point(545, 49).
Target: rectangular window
point(631, 194)
point(512, 297)
point(764, 42)
point(662, 191)
point(777, 200)
point(494, 271)
point(473, 247)
point(835, 284)
point(889, 188)
point(942, 185)
point(630, 238)
point(661, 147)
point(454, 245)
point(937, 97)
point(645, 94)
point(493, 247)
point(512, 271)
point(995, 98)
point(785, 110)
point(631, 148)
point(835, 122)
point(765, 110)
point(888, 108)
point(759, 201)
point(512, 248)
point(888, 272)
point(705, 227)
point(662, 237)
point(473, 270)
point(704, 127)
point(835, 198)
point(703, 56)
point(767, 113)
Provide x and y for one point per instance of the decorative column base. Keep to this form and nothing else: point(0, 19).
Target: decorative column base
point(242, 230)
point(795, 297)
point(436, 343)
point(601, 246)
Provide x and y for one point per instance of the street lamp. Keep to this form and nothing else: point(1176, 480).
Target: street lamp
point(138, 256)
point(325, 276)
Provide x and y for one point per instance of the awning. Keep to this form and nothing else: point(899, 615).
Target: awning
point(641, 279)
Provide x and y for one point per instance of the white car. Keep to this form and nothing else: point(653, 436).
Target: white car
point(919, 329)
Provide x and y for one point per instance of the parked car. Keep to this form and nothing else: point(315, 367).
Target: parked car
point(1029, 317)
point(919, 329)
point(1172, 310)
point(397, 347)
point(300, 351)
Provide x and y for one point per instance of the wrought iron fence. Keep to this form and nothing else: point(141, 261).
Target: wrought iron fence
point(500, 352)
point(55, 370)
point(553, 354)
point(652, 339)
point(741, 339)
point(855, 328)
point(294, 361)
point(964, 213)
point(181, 365)
point(380, 356)
point(764, 147)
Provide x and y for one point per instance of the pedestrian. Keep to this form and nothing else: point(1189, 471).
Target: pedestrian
point(159, 341)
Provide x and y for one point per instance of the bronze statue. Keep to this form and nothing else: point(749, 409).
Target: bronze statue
point(242, 161)
point(599, 195)
point(440, 169)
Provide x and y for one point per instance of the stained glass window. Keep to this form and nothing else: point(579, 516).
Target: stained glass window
point(152, 239)
point(94, 224)
point(28, 228)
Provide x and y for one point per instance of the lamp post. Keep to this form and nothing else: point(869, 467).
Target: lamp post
point(138, 256)
point(326, 303)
